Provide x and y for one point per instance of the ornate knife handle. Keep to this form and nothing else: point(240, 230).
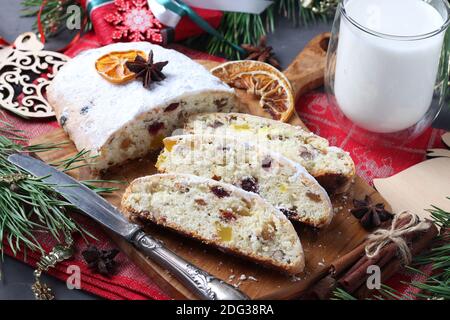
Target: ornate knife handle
point(204, 285)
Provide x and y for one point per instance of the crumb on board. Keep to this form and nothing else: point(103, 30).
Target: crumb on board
point(242, 278)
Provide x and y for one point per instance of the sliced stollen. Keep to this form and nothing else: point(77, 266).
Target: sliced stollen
point(118, 122)
point(282, 182)
point(218, 214)
point(331, 166)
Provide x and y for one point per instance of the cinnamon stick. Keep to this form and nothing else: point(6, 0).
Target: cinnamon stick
point(356, 257)
point(347, 260)
point(322, 290)
point(350, 271)
point(355, 277)
point(420, 243)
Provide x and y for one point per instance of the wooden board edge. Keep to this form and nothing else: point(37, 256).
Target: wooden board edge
point(163, 279)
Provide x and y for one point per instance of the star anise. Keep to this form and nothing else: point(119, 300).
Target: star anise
point(370, 214)
point(147, 70)
point(261, 52)
point(101, 261)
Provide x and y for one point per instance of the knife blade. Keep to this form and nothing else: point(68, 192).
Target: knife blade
point(203, 284)
point(78, 194)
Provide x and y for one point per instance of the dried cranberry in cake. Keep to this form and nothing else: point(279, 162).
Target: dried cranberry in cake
point(289, 212)
point(200, 202)
point(172, 107)
point(266, 162)
point(155, 127)
point(227, 215)
point(220, 103)
point(217, 178)
point(313, 196)
point(125, 143)
point(250, 184)
point(219, 192)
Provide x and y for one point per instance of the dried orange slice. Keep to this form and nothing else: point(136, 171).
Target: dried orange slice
point(111, 66)
point(272, 86)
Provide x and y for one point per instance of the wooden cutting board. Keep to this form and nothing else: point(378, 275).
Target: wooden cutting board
point(321, 246)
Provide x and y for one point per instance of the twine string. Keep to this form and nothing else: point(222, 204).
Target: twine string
point(382, 237)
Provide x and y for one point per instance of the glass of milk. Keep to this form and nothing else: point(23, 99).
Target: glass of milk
point(386, 67)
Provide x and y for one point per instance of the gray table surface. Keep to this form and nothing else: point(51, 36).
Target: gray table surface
point(17, 277)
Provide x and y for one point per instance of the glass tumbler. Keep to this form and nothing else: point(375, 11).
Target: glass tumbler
point(386, 74)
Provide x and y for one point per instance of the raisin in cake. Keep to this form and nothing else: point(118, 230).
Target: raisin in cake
point(282, 182)
point(218, 214)
point(331, 166)
point(118, 122)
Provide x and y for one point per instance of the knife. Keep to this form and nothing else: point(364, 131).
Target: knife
point(203, 284)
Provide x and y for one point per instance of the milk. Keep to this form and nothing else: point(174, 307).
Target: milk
point(385, 85)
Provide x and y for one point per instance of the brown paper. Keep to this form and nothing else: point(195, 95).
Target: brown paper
point(446, 139)
point(417, 188)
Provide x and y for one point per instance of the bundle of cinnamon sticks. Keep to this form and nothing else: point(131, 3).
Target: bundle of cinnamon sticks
point(349, 272)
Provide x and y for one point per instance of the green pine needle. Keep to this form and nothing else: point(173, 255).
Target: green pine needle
point(241, 28)
point(54, 15)
point(340, 294)
point(28, 204)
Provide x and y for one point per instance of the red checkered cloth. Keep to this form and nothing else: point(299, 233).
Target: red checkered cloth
point(131, 282)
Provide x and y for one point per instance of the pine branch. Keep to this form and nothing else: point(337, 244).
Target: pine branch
point(242, 28)
point(237, 28)
point(54, 15)
point(340, 294)
point(28, 204)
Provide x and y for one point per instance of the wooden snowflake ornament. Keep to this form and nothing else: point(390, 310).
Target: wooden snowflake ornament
point(25, 72)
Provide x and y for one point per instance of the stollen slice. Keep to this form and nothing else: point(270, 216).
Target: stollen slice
point(218, 214)
point(282, 182)
point(333, 168)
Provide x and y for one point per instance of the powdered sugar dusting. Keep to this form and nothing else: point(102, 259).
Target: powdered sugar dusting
point(112, 106)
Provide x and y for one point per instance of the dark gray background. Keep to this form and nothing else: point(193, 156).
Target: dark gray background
point(18, 277)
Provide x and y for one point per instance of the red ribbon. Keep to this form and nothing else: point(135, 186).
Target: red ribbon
point(39, 22)
point(3, 42)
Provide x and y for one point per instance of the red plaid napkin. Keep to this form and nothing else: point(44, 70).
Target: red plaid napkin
point(132, 283)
